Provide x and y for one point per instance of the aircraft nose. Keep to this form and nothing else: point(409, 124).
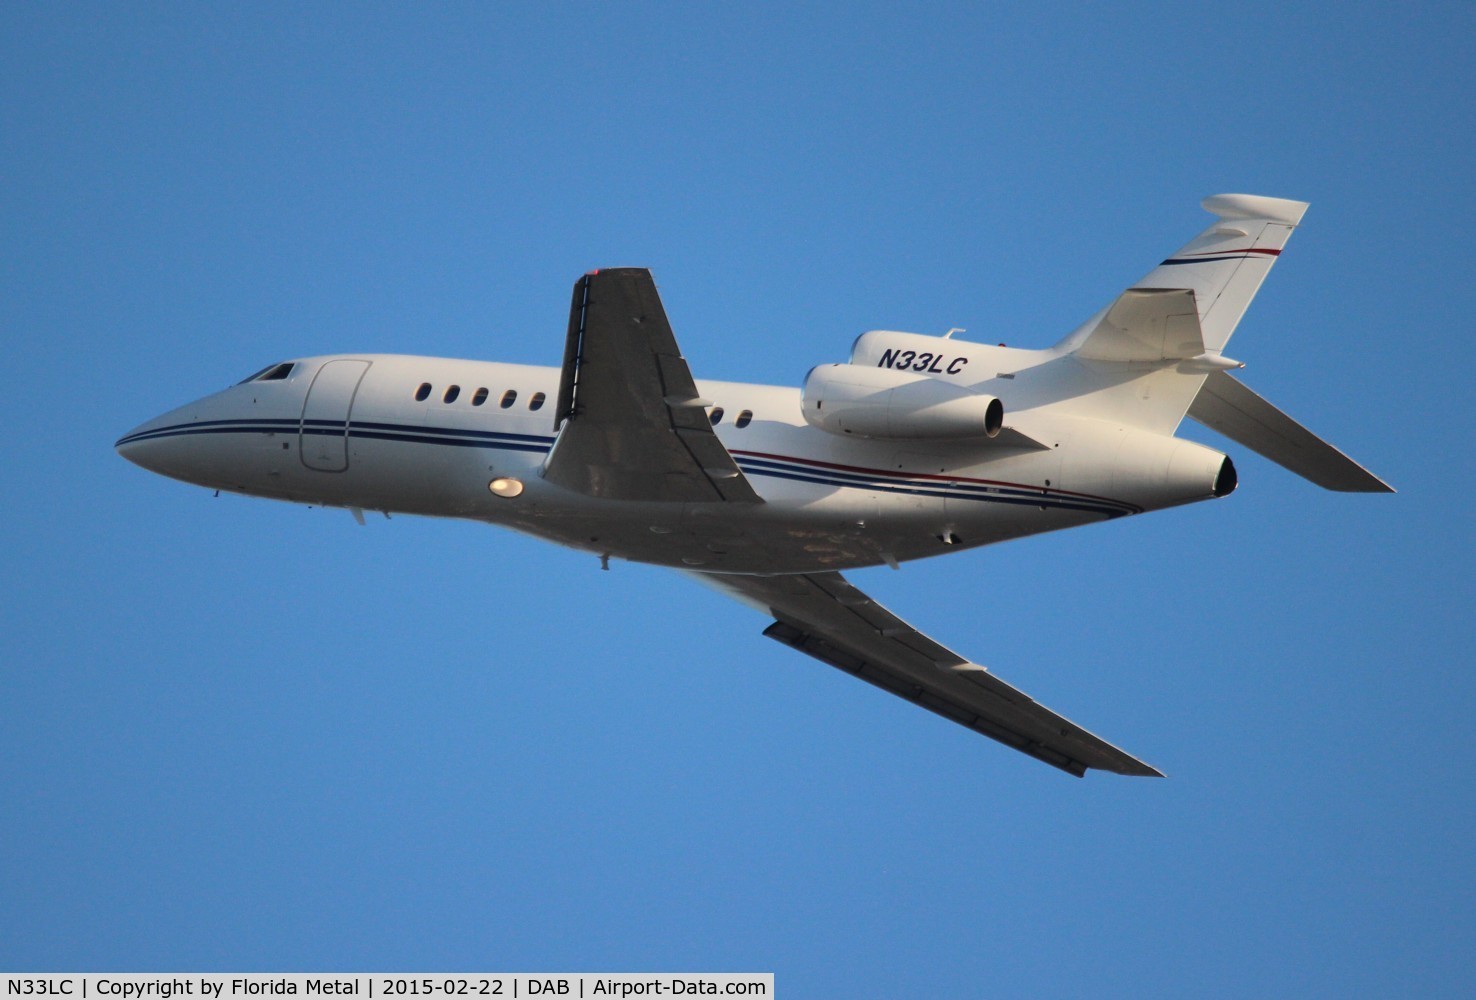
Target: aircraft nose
point(149, 445)
point(214, 441)
point(170, 444)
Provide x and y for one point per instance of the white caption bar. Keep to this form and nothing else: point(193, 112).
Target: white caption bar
point(385, 985)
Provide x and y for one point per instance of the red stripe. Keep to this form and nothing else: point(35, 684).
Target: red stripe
point(1217, 253)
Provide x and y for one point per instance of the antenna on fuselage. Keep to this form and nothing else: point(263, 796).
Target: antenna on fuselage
point(956, 329)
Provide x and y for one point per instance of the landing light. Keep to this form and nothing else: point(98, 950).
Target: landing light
point(506, 487)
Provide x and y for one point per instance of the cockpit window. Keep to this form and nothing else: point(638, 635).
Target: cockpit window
point(256, 375)
point(271, 373)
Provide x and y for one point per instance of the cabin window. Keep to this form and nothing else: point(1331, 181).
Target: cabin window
point(536, 401)
point(508, 398)
point(715, 415)
point(744, 419)
point(452, 391)
point(480, 396)
point(423, 393)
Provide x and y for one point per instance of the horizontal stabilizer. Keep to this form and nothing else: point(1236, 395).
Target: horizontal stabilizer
point(1229, 407)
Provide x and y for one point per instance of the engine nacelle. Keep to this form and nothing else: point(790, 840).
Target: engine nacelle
point(885, 403)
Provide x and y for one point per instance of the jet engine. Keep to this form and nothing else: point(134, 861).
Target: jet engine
point(886, 403)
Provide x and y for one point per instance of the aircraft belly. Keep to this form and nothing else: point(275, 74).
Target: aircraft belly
point(436, 480)
point(715, 537)
point(846, 530)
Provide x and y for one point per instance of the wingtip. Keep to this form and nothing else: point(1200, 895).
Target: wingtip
point(1365, 483)
point(1141, 770)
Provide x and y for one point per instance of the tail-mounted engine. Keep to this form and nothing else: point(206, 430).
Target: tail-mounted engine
point(886, 403)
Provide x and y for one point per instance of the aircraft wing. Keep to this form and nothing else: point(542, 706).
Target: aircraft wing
point(632, 425)
point(824, 616)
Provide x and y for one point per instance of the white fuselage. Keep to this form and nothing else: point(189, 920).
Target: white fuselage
point(362, 431)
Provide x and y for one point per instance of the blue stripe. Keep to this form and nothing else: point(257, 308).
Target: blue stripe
point(796, 471)
point(264, 425)
point(955, 490)
point(429, 438)
point(1211, 260)
point(454, 436)
point(854, 478)
point(453, 432)
point(1042, 500)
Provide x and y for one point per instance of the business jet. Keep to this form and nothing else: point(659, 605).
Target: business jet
point(917, 446)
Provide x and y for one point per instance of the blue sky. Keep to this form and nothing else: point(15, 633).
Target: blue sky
point(244, 735)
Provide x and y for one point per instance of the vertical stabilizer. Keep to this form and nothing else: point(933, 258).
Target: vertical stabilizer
point(1226, 263)
point(1145, 356)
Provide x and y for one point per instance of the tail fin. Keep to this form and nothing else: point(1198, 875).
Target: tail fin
point(1152, 348)
point(1155, 352)
point(1226, 263)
